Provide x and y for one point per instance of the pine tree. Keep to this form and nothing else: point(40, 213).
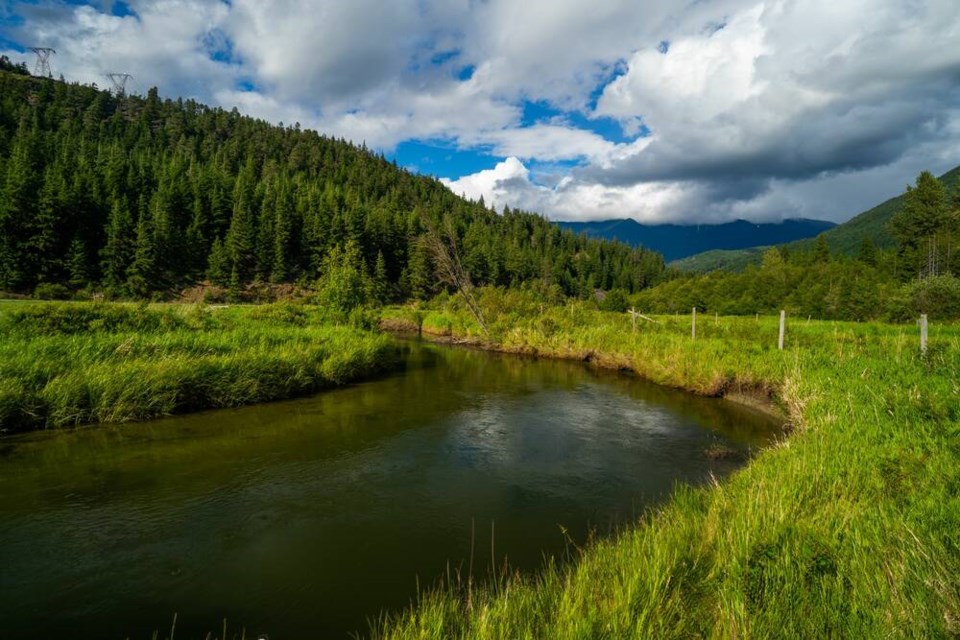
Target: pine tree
point(867, 253)
point(282, 231)
point(821, 250)
point(142, 273)
point(420, 275)
point(78, 263)
point(218, 265)
point(381, 283)
point(120, 244)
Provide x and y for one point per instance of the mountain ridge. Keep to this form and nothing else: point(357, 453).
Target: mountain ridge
point(676, 241)
point(844, 238)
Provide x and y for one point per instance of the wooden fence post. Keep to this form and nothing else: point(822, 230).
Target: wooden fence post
point(783, 322)
point(923, 334)
point(693, 330)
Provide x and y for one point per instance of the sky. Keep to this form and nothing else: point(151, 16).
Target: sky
point(691, 112)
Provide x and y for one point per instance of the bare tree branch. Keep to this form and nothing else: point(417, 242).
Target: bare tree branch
point(449, 268)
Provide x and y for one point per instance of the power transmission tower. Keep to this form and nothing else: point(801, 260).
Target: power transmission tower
point(42, 67)
point(119, 81)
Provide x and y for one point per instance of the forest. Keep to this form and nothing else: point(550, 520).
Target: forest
point(130, 197)
point(917, 275)
point(139, 197)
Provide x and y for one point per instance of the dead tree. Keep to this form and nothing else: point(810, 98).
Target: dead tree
point(442, 247)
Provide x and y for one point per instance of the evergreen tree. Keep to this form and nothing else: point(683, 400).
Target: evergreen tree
point(920, 225)
point(142, 273)
point(78, 263)
point(218, 268)
point(381, 283)
point(867, 252)
point(120, 244)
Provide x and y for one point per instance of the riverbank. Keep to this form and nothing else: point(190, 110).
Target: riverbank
point(68, 364)
point(847, 529)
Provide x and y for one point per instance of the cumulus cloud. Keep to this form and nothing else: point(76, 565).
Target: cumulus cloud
point(730, 108)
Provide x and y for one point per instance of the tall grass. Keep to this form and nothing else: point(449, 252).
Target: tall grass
point(68, 364)
point(849, 528)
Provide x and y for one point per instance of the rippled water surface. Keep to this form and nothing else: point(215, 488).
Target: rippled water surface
point(308, 517)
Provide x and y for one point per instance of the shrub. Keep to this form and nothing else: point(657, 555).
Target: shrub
point(937, 296)
point(49, 291)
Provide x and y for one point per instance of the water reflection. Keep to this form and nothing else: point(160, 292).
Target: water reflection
point(305, 518)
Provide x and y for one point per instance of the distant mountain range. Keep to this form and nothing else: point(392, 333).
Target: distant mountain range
point(844, 238)
point(676, 241)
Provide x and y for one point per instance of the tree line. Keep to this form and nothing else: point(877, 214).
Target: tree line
point(141, 196)
point(916, 276)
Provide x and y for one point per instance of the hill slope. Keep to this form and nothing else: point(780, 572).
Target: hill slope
point(679, 241)
point(140, 195)
point(844, 238)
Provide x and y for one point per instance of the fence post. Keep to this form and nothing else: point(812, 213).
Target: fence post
point(633, 318)
point(923, 334)
point(693, 330)
point(783, 322)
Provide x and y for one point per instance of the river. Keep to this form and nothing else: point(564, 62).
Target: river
point(307, 518)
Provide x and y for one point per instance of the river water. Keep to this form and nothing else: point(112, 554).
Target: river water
point(307, 518)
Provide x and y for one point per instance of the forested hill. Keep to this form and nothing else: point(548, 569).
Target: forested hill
point(846, 238)
point(677, 241)
point(139, 195)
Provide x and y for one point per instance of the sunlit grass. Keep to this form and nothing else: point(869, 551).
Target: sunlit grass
point(848, 528)
point(66, 364)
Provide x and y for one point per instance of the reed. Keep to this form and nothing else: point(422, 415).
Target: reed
point(67, 364)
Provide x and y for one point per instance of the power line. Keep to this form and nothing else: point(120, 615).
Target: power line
point(42, 67)
point(119, 81)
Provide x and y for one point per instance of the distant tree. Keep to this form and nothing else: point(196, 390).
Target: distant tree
point(218, 266)
point(867, 252)
point(380, 282)
point(344, 283)
point(920, 225)
point(615, 300)
point(821, 250)
point(78, 263)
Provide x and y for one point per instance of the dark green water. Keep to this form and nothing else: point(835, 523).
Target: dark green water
point(306, 518)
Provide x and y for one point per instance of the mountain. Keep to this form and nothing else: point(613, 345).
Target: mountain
point(679, 241)
point(844, 238)
point(141, 196)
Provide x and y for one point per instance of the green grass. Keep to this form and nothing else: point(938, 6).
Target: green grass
point(66, 364)
point(848, 528)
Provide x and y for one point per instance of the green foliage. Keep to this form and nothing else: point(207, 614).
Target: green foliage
point(614, 301)
point(345, 284)
point(937, 296)
point(46, 291)
point(924, 211)
point(143, 194)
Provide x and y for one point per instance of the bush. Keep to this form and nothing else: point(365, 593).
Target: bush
point(49, 291)
point(615, 300)
point(937, 296)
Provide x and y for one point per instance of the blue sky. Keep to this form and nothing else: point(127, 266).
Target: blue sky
point(699, 112)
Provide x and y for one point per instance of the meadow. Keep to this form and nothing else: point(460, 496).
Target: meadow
point(849, 527)
point(67, 364)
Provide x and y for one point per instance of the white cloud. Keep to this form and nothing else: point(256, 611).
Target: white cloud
point(759, 108)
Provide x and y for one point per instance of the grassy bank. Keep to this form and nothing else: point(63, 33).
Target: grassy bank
point(65, 364)
point(850, 528)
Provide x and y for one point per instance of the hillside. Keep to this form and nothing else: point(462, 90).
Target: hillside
point(676, 241)
point(844, 238)
point(142, 196)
